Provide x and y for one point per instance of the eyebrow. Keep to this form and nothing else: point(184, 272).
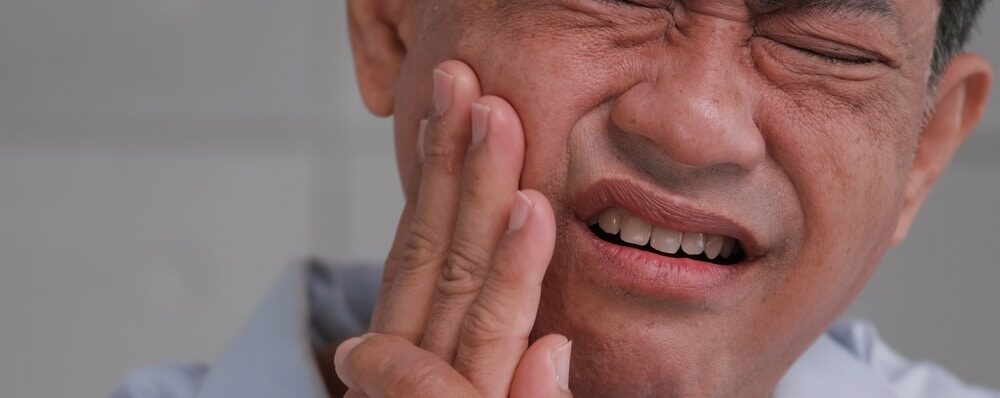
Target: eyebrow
point(880, 8)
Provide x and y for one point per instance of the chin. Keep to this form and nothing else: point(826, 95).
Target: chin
point(637, 336)
point(617, 357)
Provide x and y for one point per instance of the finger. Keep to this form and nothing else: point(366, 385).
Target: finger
point(428, 236)
point(354, 394)
point(544, 369)
point(496, 328)
point(385, 366)
point(325, 364)
point(489, 182)
point(395, 257)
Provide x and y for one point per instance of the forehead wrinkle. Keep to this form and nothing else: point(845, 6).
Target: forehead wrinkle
point(880, 8)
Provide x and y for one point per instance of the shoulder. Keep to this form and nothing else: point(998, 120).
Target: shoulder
point(163, 381)
point(907, 379)
point(313, 304)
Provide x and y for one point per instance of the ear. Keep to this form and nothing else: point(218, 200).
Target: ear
point(962, 93)
point(379, 47)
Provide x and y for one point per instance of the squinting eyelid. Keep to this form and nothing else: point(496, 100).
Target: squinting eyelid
point(828, 49)
point(630, 4)
point(802, 65)
point(624, 2)
point(830, 34)
point(838, 59)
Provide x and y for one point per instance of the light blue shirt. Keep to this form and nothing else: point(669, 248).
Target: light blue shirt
point(314, 304)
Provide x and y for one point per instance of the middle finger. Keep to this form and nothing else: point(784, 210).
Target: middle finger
point(403, 312)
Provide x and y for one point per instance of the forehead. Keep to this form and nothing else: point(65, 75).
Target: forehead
point(899, 12)
point(907, 15)
point(909, 25)
point(910, 17)
point(913, 22)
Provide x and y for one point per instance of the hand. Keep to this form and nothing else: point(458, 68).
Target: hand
point(380, 365)
point(462, 282)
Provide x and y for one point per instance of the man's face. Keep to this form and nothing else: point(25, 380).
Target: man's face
point(789, 126)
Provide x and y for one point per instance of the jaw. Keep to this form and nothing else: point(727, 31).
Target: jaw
point(627, 343)
point(629, 346)
point(621, 350)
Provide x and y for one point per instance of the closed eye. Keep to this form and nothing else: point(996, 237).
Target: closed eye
point(849, 59)
point(625, 3)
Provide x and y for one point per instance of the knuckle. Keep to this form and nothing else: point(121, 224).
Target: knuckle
point(466, 269)
point(483, 327)
point(456, 282)
point(423, 247)
point(442, 154)
point(423, 235)
point(470, 256)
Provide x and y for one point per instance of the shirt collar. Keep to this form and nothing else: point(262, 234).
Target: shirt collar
point(828, 370)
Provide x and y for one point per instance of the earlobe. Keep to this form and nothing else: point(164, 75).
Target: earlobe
point(378, 50)
point(962, 95)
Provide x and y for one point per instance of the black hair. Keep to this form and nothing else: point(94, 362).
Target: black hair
point(954, 28)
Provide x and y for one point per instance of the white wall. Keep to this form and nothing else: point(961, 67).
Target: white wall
point(161, 161)
point(156, 174)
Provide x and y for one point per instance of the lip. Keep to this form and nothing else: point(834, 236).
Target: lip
point(648, 274)
point(662, 209)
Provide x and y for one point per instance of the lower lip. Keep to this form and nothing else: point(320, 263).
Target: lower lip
point(647, 274)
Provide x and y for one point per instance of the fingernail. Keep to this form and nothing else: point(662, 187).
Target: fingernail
point(421, 133)
point(343, 350)
point(519, 214)
point(443, 83)
point(480, 121)
point(560, 361)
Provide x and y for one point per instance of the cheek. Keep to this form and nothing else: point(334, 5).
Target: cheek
point(549, 86)
point(844, 169)
point(553, 74)
point(847, 166)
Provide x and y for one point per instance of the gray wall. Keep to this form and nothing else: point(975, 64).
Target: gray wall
point(161, 161)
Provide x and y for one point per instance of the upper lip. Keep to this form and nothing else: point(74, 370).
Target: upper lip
point(663, 209)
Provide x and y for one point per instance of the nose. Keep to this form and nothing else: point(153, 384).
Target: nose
point(699, 112)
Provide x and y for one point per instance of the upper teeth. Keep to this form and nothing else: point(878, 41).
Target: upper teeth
point(637, 231)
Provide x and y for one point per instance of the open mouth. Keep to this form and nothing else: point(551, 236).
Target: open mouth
point(617, 226)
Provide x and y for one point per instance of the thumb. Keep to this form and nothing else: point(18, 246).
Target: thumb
point(544, 369)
